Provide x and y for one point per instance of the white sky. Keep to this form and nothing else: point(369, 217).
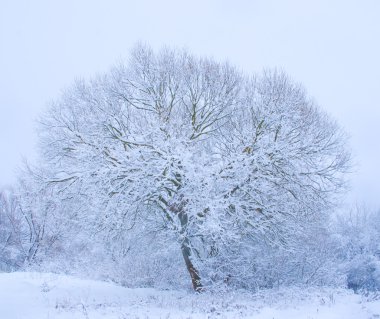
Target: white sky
point(331, 46)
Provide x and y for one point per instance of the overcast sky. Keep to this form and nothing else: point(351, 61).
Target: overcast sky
point(332, 47)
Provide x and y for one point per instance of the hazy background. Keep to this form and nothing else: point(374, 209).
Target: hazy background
point(332, 47)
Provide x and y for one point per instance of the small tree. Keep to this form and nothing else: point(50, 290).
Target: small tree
point(10, 224)
point(196, 151)
point(26, 223)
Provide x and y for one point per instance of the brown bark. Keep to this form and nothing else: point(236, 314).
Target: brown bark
point(195, 278)
point(186, 253)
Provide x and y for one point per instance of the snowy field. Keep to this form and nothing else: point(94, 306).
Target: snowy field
point(43, 296)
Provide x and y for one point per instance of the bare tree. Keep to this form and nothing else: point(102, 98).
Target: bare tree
point(9, 229)
point(194, 148)
point(20, 232)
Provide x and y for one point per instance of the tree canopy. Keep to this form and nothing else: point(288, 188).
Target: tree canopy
point(196, 151)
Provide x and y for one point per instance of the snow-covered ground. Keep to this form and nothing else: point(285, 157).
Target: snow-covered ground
point(43, 296)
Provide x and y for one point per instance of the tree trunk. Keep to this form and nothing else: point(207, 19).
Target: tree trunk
point(186, 253)
point(195, 278)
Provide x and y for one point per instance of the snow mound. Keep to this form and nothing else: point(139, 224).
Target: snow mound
point(41, 295)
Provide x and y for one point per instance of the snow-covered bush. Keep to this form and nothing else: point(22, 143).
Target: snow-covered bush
point(357, 236)
point(364, 273)
point(309, 260)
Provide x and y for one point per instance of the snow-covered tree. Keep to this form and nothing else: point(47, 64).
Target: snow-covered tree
point(357, 235)
point(27, 223)
point(195, 151)
point(10, 224)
